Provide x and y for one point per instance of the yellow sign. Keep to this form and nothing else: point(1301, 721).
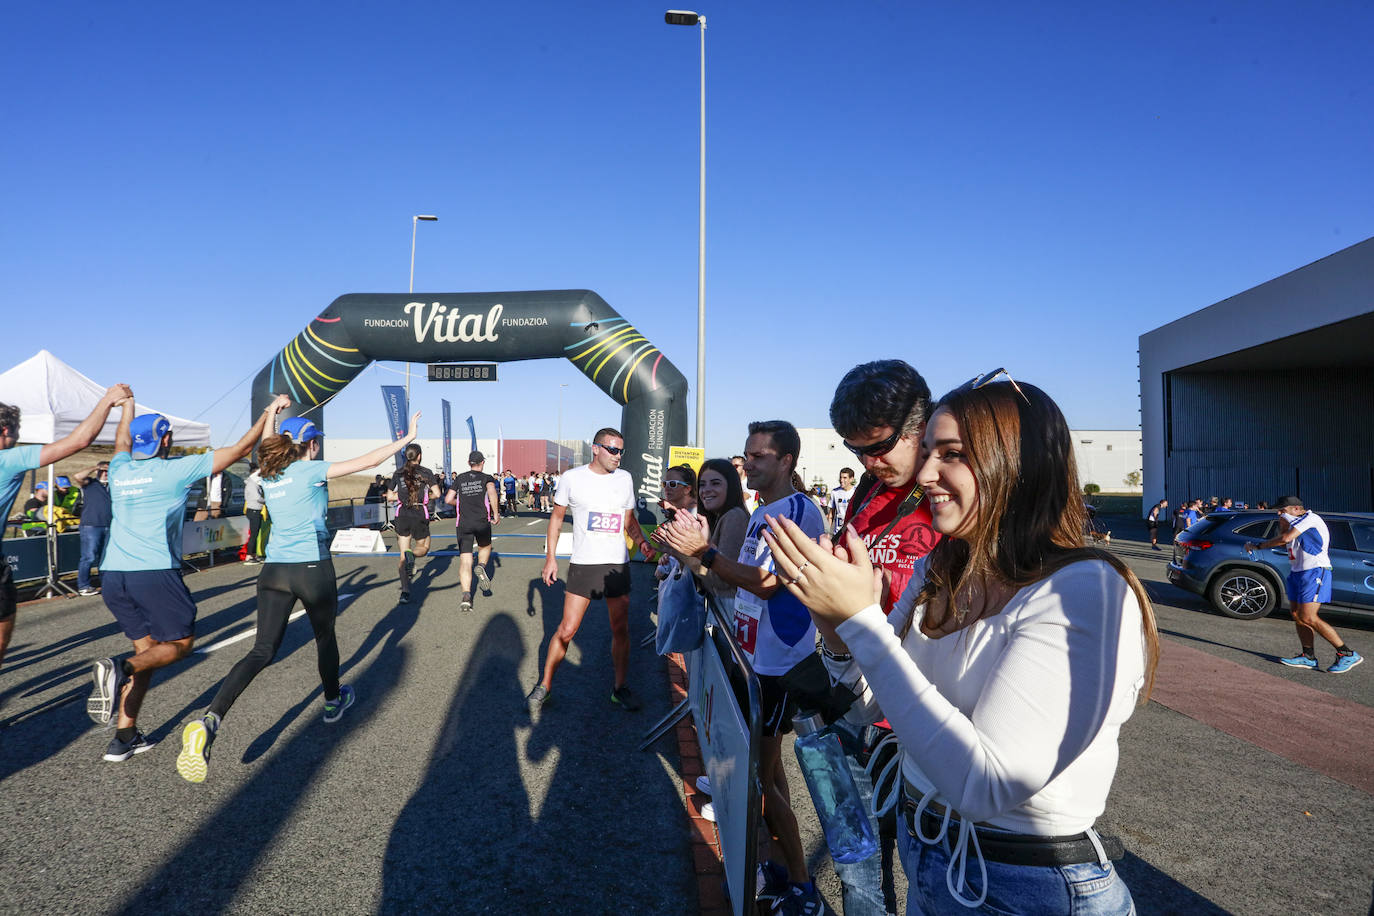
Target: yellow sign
point(682, 454)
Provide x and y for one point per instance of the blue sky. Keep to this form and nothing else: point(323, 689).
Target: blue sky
point(998, 184)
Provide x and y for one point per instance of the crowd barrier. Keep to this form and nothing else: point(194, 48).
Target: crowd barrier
point(28, 558)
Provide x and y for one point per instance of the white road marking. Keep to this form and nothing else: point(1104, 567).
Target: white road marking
point(213, 647)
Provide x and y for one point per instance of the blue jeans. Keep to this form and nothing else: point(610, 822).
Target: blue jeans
point(1084, 890)
point(862, 881)
point(93, 539)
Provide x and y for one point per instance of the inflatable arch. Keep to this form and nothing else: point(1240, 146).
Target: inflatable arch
point(576, 325)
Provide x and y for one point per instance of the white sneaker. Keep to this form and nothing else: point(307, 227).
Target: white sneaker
point(704, 785)
point(708, 812)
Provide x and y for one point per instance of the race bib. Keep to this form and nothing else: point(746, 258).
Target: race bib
point(748, 612)
point(605, 522)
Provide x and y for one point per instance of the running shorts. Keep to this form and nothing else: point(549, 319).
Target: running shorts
point(777, 707)
point(598, 580)
point(412, 525)
point(1308, 585)
point(150, 602)
point(468, 536)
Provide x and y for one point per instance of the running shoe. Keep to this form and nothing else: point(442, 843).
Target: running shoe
point(410, 567)
point(770, 883)
point(120, 751)
point(1344, 663)
point(704, 785)
point(1301, 661)
point(104, 699)
point(800, 902)
point(334, 709)
point(482, 575)
point(88, 592)
point(405, 597)
point(536, 700)
point(466, 604)
point(626, 699)
point(194, 760)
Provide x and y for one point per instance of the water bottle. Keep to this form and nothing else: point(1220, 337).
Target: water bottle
point(848, 831)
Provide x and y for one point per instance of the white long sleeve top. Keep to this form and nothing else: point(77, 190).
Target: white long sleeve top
point(1012, 721)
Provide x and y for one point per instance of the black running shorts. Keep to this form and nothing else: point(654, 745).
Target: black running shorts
point(599, 580)
point(469, 536)
point(412, 525)
point(777, 706)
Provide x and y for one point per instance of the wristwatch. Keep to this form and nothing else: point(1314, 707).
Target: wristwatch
point(709, 557)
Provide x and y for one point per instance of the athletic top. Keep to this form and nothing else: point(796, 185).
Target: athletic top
point(839, 504)
point(148, 499)
point(420, 501)
point(898, 550)
point(776, 633)
point(14, 464)
point(599, 503)
point(509, 483)
point(472, 499)
point(1012, 721)
point(1309, 549)
point(296, 502)
point(252, 492)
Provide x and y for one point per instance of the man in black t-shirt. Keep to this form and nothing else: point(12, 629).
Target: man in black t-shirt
point(474, 494)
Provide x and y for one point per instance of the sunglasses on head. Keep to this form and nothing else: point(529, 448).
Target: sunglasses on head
point(674, 484)
point(609, 448)
point(978, 381)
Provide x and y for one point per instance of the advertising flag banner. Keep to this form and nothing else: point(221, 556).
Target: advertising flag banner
point(394, 397)
point(448, 440)
point(473, 431)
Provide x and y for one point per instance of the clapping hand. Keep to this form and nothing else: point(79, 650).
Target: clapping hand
point(835, 582)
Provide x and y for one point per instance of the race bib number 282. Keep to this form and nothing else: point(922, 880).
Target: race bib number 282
point(604, 522)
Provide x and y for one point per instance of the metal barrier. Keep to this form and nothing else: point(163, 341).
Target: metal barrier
point(729, 737)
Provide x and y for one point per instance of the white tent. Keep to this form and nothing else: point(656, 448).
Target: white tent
point(53, 398)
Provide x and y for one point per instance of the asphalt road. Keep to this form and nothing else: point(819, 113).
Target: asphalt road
point(435, 794)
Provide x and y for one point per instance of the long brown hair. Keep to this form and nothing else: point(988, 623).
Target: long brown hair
point(410, 474)
point(1031, 519)
point(277, 453)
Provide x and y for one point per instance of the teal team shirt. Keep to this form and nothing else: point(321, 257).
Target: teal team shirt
point(14, 464)
point(296, 501)
point(148, 499)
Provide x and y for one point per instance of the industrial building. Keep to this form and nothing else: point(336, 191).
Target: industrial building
point(1268, 392)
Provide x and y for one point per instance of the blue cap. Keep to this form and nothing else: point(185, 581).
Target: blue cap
point(148, 430)
point(300, 429)
point(63, 482)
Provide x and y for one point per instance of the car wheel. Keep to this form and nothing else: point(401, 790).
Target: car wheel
point(1243, 594)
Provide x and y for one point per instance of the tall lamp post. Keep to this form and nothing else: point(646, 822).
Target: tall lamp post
point(414, 221)
point(560, 426)
point(688, 17)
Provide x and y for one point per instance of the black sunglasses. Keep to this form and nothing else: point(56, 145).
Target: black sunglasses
point(610, 448)
point(876, 449)
point(978, 381)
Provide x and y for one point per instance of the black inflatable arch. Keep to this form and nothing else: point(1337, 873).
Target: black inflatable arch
point(576, 325)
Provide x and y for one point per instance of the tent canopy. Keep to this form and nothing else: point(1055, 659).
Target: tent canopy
point(53, 399)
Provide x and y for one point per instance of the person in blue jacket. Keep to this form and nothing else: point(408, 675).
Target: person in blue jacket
point(298, 567)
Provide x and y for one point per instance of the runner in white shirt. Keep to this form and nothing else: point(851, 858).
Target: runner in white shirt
point(602, 500)
point(1305, 535)
point(839, 499)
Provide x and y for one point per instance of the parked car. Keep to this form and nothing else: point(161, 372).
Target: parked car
point(1210, 560)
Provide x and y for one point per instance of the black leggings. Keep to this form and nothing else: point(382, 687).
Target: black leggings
point(279, 585)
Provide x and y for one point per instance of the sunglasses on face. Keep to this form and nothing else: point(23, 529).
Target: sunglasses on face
point(608, 448)
point(875, 450)
point(979, 381)
point(675, 484)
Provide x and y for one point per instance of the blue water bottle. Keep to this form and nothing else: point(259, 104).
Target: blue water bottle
point(848, 831)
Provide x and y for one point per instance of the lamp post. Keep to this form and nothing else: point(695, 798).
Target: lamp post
point(414, 221)
point(688, 17)
point(560, 426)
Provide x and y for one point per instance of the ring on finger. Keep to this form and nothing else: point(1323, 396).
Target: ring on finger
point(805, 563)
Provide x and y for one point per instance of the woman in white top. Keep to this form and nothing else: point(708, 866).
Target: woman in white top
point(1006, 669)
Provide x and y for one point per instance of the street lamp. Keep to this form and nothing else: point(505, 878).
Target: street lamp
point(687, 17)
point(560, 426)
point(414, 221)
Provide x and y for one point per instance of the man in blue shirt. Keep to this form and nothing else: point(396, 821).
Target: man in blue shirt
point(95, 521)
point(141, 573)
point(16, 462)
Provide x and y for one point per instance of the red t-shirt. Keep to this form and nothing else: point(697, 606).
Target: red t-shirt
point(912, 537)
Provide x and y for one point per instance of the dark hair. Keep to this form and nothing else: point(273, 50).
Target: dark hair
point(278, 453)
point(1030, 519)
point(410, 475)
point(784, 436)
point(886, 392)
point(844, 471)
point(607, 431)
point(734, 490)
point(686, 472)
point(9, 419)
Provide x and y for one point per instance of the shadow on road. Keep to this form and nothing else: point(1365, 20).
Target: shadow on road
point(1156, 892)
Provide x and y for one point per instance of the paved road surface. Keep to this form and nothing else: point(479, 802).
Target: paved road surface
point(1244, 787)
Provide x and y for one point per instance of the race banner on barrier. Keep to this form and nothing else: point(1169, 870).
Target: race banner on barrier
point(213, 534)
point(357, 540)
